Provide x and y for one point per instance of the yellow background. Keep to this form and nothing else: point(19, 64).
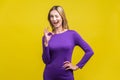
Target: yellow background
point(21, 28)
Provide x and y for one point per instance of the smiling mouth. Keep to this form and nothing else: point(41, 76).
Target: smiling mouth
point(56, 22)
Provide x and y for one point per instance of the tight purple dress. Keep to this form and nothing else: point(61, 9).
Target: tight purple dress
point(59, 50)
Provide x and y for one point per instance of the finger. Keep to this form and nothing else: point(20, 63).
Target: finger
point(68, 68)
point(45, 30)
point(66, 65)
point(67, 62)
point(48, 28)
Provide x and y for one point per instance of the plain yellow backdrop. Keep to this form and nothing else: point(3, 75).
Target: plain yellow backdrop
point(22, 23)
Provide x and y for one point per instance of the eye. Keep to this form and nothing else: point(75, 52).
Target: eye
point(56, 16)
point(51, 16)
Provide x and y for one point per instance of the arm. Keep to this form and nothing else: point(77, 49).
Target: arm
point(46, 53)
point(87, 49)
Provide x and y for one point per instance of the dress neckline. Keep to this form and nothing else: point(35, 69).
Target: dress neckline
point(61, 33)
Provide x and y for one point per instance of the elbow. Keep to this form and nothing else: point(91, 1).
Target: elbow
point(89, 52)
point(92, 52)
point(46, 62)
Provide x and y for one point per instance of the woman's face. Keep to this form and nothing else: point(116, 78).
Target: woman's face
point(55, 19)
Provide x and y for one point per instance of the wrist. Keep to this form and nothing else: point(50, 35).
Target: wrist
point(46, 44)
point(76, 67)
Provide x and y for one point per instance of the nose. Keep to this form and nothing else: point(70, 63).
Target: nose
point(54, 18)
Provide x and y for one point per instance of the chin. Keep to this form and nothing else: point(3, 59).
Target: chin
point(56, 26)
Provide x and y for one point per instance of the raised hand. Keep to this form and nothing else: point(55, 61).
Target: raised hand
point(48, 36)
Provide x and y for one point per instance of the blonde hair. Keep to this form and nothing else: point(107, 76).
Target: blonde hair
point(60, 10)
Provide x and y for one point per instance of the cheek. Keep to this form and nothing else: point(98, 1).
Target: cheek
point(51, 20)
point(61, 20)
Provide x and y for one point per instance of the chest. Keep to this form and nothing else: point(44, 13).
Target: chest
point(61, 42)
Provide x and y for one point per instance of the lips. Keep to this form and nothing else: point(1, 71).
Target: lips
point(56, 22)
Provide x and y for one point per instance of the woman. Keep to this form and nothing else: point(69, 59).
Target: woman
point(58, 46)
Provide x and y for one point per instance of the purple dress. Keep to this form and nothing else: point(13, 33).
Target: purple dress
point(59, 50)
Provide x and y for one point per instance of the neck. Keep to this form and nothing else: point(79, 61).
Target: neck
point(58, 30)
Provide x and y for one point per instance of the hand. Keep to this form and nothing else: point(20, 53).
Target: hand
point(47, 36)
point(68, 65)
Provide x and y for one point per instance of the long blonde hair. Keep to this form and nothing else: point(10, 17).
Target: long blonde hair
point(60, 10)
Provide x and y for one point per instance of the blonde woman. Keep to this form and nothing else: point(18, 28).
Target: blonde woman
point(58, 46)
